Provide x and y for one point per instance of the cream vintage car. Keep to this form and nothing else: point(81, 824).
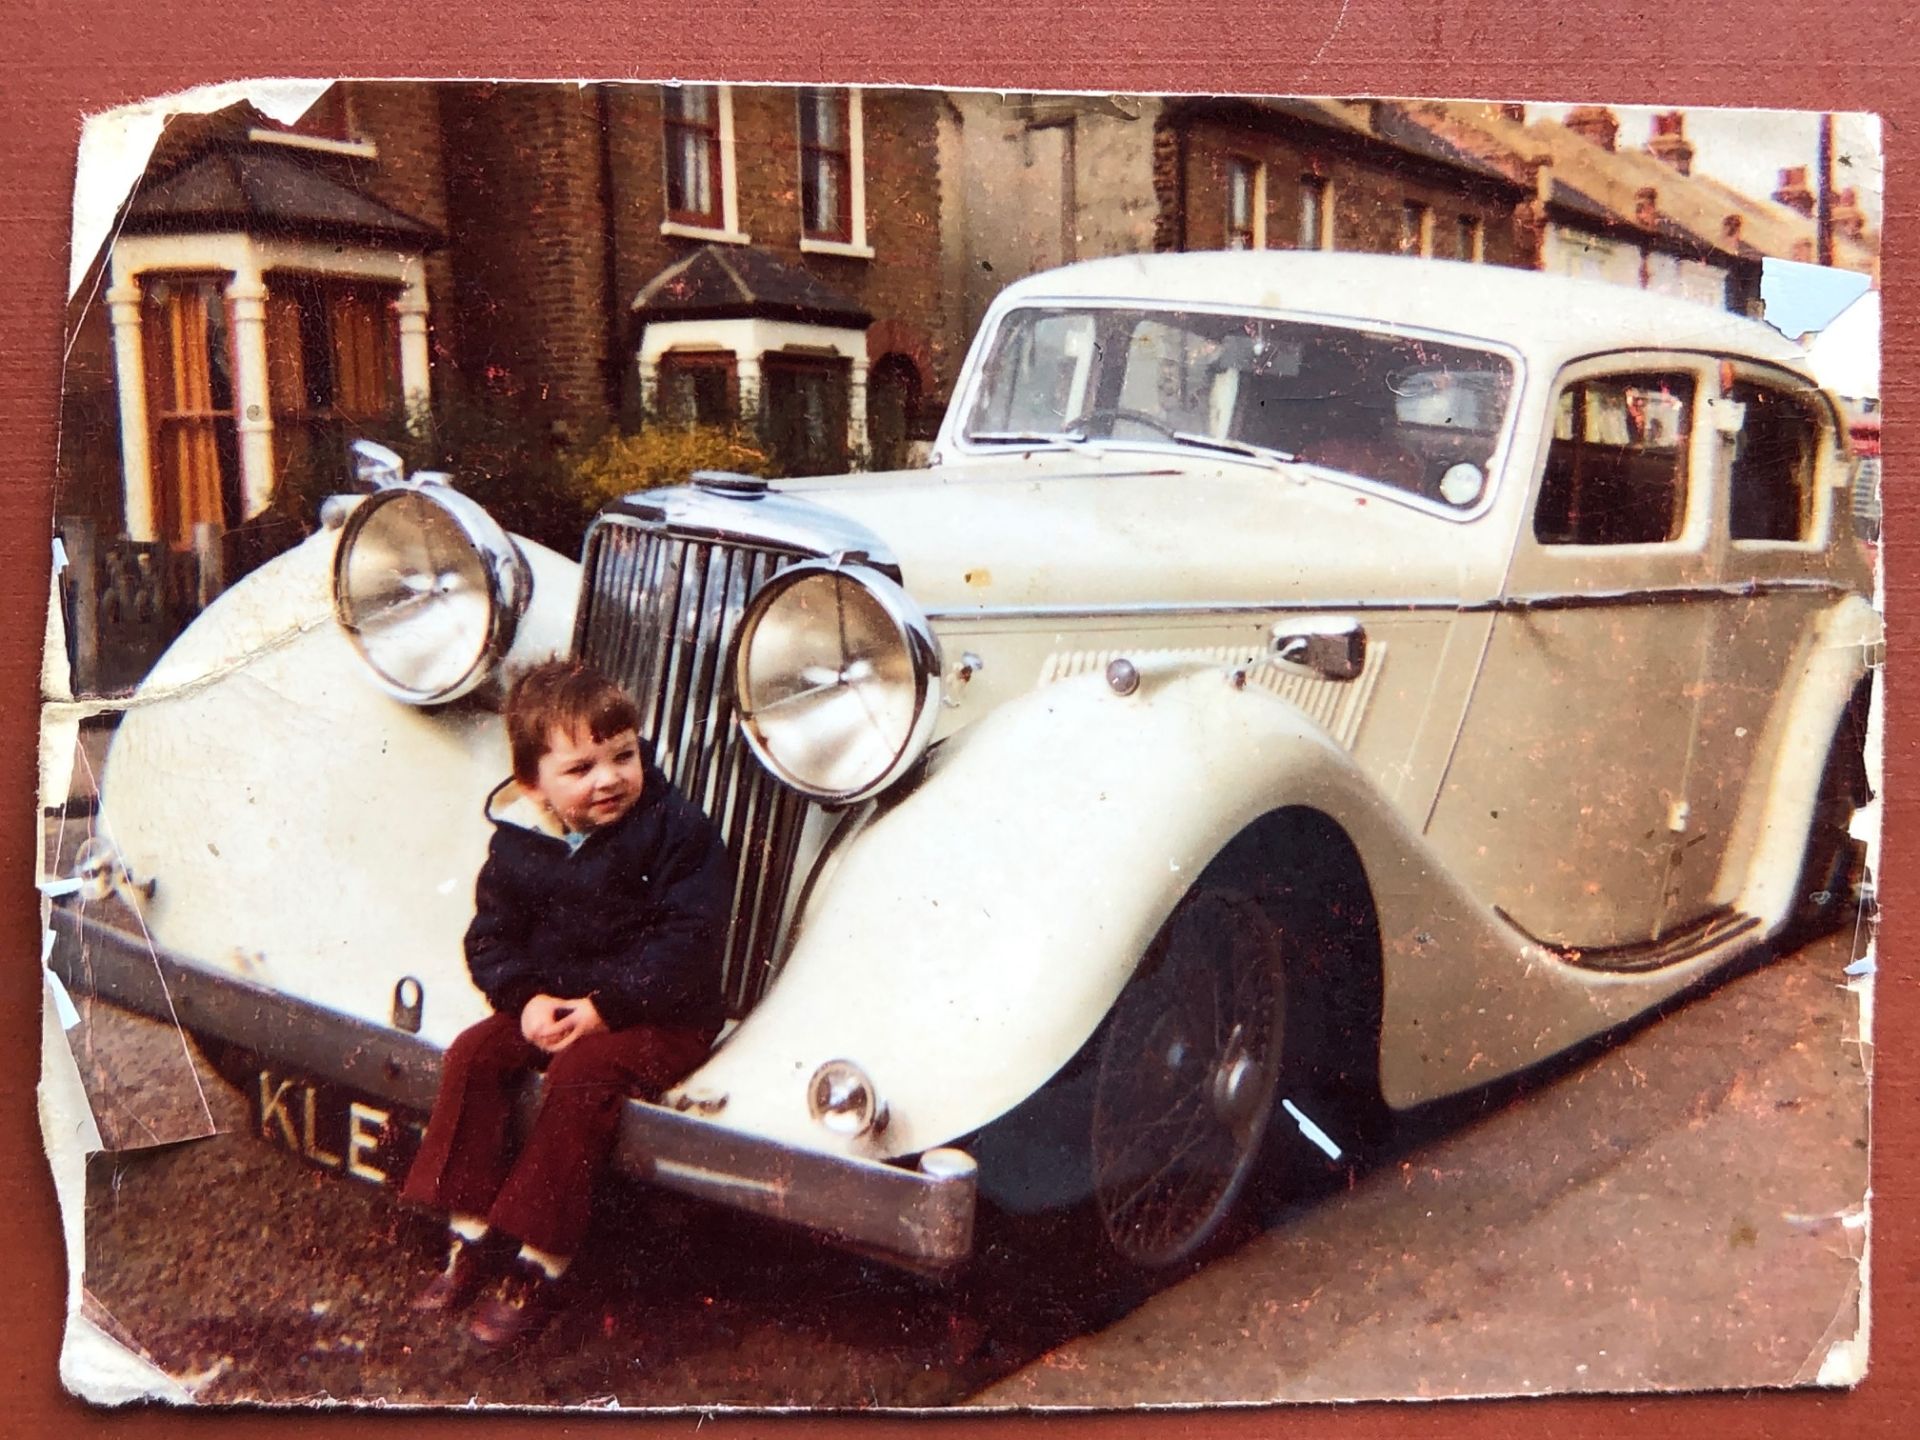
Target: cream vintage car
point(1301, 688)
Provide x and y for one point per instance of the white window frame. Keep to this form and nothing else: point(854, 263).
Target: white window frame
point(1256, 199)
point(1323, 189)
point(729, 232)
point(1421, 214)
point(1475, 229)
point(856, 247)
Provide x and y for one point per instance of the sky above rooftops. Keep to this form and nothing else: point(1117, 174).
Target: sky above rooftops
point(1748, 148)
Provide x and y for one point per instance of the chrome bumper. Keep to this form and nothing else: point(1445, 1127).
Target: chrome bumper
point(921, 1219)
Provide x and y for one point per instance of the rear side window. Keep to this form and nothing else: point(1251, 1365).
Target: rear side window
point(1775, 452)
point(1617, 467)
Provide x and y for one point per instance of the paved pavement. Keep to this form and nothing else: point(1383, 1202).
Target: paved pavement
point(1685, 1212)
point(1681, 1212)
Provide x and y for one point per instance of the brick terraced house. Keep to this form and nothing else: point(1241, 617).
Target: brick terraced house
point(808, 261)
point(589, 253)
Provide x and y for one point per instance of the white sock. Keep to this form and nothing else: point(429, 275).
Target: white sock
point(470, 1228)
point(554, 1265)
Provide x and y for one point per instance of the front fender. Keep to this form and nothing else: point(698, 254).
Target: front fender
point(969, 940)
point(303, 829)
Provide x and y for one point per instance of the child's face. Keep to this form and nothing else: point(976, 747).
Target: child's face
point(586, 782)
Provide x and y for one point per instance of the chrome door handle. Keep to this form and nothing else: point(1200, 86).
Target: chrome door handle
point(1332, 646)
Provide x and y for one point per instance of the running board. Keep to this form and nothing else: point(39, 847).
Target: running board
point(1689, 942)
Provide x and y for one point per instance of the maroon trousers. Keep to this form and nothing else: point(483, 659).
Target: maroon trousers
point(544, 1196)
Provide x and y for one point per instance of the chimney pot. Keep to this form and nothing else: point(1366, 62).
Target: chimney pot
point(1792, 191)
point(1668, 143)
point(1595, 123)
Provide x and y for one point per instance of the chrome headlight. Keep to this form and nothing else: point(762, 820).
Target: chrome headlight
point(429, 589)
point(837, 676)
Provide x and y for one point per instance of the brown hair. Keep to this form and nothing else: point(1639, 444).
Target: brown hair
point(565, 694)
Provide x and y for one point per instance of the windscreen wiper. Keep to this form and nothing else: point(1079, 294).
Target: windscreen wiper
point(1234, 447)
point(1026, 437)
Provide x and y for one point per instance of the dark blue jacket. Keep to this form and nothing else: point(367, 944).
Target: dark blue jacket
point(634, 918)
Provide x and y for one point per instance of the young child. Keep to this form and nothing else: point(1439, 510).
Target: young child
point(598, 918)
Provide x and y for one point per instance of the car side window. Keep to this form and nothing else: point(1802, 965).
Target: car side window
point(1617, 468)
point(1775, 452)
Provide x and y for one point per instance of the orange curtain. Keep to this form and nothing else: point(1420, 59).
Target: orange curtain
point(365, 337)
point(186, 455)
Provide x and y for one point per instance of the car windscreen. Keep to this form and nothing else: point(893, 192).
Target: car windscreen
point(1414, 413)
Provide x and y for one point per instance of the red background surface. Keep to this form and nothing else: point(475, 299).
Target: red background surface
point(62, 62)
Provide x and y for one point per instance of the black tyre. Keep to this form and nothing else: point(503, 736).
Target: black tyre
point(1187, 1078)
point(1832, 871)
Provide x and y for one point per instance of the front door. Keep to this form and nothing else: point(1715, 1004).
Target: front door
point(1567, 798)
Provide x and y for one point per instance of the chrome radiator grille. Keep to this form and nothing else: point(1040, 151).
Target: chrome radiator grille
point(658, 612)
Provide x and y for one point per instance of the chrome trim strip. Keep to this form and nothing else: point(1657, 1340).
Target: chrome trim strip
point(769, 521)
point(908, 1217)
point(1692, 940)
point(1561, 600)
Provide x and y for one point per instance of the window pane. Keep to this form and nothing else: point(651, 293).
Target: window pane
point(1472, 243)
point(1617, 469)
point(820, 195)
point(692, 153)
point(1394, 410)
point(1774, 456)
point(825, 165)
point(1240, 191)
point(1313, 215)
point(820, 122)
point(195, 450)
point(691, 102)
point(1414, 229)
point(1038, 374)
point(806, 406)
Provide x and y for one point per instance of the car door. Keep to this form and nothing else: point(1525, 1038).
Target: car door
point(1777, 444)
point(1567, 793)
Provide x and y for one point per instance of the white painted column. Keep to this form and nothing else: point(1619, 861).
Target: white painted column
point(136, 441)
point(252, 402)
point(747, 372)
point(416, 363)
point(649, 387)
point(857, 409)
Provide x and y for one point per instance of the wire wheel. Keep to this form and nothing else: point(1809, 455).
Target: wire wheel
point(1188, 1070)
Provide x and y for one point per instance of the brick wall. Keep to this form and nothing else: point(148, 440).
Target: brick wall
point(1368, 191)
point(524, 300)
point(900, 285)
point(530, 298)
point(402, 121)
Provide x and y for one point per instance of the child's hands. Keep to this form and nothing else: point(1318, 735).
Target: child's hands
point(578, 1019)
point(552, 1024)
point(540, 1020)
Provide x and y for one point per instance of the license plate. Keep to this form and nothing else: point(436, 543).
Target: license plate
point(334, 1128)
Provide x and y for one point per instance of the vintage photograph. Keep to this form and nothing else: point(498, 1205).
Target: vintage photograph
point(801, 746)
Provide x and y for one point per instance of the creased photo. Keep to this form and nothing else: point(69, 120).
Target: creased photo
point(719, 745)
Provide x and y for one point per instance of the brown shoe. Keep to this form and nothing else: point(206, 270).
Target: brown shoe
point(518, 1309)
point(470, 1265)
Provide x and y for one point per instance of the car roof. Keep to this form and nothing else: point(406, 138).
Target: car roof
point(1544, 316)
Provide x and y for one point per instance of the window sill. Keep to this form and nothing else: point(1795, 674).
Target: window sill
point(704, 232)
point(847, 248)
